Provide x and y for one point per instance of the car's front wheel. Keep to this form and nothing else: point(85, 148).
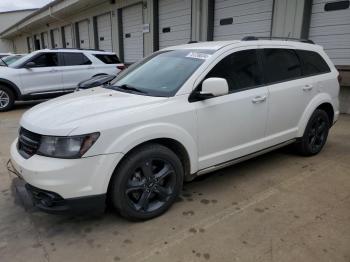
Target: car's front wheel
point(147, 182)
point(315, 134)
point(7, 98)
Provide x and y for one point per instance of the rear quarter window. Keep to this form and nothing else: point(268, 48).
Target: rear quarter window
point(312, 63)
point(108, 59)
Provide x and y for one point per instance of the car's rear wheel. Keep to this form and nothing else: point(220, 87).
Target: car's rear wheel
point(7, 98)
point(147, 182)
point(315, 134)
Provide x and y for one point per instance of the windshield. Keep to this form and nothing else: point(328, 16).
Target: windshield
point(8, 60)
point(163, 73)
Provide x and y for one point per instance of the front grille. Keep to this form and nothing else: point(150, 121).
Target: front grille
point(28, 143)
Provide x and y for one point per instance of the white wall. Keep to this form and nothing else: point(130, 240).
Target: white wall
point(6, 20)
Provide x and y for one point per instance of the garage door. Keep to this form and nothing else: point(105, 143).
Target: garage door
point(30, 44)
point(68, 36)
point(330, 27)
point(234, 19)
point(174, 22)
point(132, 33)
point(45, 40)
point(104, 32)
point(56, 38)
point(84, 34)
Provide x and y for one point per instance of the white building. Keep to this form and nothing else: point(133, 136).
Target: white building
point(7, 19)
point(136, 28)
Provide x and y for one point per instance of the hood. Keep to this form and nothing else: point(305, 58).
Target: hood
point(62, 115)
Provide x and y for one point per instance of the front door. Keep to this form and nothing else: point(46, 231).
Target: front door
point(233, 125)
point(44, 74)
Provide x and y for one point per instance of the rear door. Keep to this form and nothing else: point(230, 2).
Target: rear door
point(77, 67)
point(288, 93)
point(44, 77)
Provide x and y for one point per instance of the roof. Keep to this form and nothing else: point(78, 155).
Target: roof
point(216, 45)
point(38, 11)
point(73, 50)
point(19, 10)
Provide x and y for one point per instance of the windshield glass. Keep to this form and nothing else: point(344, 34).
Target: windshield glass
point(11, 59)
point(163, 73)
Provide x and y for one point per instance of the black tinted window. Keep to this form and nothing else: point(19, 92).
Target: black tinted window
point(313, 63)
point(108, 59)
point(46, 60)
point(241, 70)
point(75, 59)
point(281, 65)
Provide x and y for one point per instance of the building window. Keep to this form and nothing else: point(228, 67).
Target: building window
point(338, 5)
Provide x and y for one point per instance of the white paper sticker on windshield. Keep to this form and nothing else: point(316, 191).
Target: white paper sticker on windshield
point(198, 55)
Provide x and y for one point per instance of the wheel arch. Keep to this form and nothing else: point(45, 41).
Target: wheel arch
point(322, 101)
point(12, 86)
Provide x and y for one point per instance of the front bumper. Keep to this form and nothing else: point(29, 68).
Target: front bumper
point(65, 182)
point(50, 202)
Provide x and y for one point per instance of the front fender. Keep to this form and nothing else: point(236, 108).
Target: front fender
point(139, 135)
point(313, 104)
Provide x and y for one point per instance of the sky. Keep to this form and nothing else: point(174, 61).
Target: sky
point(9, 5)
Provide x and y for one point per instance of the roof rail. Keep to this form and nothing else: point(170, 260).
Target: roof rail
point(254, 38)
point(70, 48)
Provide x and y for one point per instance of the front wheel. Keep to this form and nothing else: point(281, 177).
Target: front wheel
point(147, 182)
point(315, 134)
point(7, 99)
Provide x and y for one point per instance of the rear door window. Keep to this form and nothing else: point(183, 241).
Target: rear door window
point(313, 63)
point(75, 59)
point(281, 65)
point(108, 59)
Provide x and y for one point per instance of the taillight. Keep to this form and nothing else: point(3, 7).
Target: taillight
point(339, 79)
point(121, 67)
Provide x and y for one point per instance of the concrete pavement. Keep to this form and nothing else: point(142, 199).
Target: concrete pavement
point(277, 207)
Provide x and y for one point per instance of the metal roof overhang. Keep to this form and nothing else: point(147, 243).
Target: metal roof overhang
point(55, 11)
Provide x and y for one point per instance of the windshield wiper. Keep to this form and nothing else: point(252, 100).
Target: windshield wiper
point(5, 64)
point(131, 88)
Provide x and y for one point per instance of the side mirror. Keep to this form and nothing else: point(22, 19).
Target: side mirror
point(96, 81)
point(29, 65)
point(214, 86)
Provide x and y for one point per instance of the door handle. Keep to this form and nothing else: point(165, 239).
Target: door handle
point(308, 87)
point(259, 99)
point(90, 67)
point(54, 70)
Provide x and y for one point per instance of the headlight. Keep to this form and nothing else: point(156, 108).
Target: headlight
point(66, 147)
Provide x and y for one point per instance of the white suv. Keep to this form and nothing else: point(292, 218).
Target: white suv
point(52, 72)
point(181, 112)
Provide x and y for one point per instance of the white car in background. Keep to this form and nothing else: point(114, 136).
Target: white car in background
point(52, 72)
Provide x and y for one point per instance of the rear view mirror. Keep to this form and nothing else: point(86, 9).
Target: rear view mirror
point(96, 81)
point(214, 86)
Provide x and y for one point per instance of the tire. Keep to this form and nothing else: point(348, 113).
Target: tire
point(147, 182)
point(7, 98)
point(315, 134)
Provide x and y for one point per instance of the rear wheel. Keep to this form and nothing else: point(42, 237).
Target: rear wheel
point(7, 98)
point(315, 134)
point(147, 182)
